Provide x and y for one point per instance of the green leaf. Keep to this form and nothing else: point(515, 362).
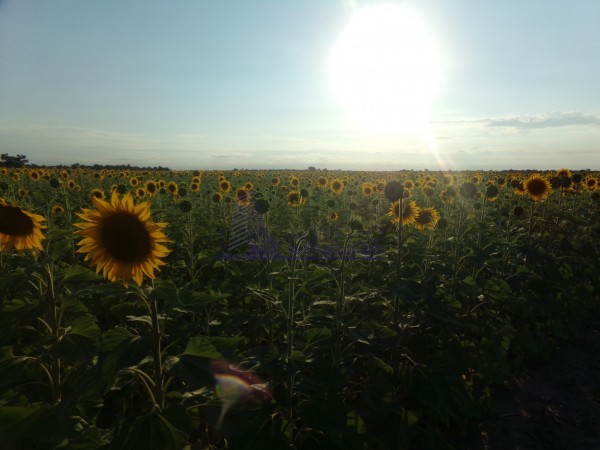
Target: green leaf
point(150, 432)
point(85, 326)
point(114, 337)
point(201, 346)
point(15, 420)
point(316, 335)
point(79, 274)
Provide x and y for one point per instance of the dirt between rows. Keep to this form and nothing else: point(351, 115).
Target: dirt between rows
point(556, 406)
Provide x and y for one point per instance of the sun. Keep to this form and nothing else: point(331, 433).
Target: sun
point(385, 68)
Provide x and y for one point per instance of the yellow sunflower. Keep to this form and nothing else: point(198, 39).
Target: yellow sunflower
point(224, 186)
point(242, 196)
point(337, 186)
point(322, 182)
point(410, 211)
point(427, 218)
point(294, 199)
point(173, 188)
point(120, 241)
point(591, 183)
point(97, 193)
point(537, 187)
point(367, 189)
point(19, 229)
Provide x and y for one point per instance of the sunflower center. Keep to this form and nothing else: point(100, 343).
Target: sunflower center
point(14, 222)
point(125, 238)
point(537, 187)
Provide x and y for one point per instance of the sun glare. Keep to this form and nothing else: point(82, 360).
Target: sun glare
point(385, 68)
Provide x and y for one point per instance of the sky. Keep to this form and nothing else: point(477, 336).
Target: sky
point(251, 84)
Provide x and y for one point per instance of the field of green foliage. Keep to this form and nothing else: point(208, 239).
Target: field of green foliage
point(278, 309)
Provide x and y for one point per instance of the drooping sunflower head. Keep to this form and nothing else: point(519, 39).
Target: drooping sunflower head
point(427, 218)
point(19, 229)
point(409, 213)
point(57, 210)
point(120, 240)
point(537, 187)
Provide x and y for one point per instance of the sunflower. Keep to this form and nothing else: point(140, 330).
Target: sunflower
point(410, 211)
point(19, 229)
point(151, 187)
point(537, 187)
point(242, 196)
point(334, 216)
point(337, 186)
point(294, 199)
point(173, 188)
point(217, 197)
point(427, 218)
point(57, 210)
point(97, 193)
point(367, 189)
point(294, 181)
point(140, 192)
point(120, 240)
point(71, 184)
point(35, 176)
point(591, 183)
point(322, 182)
point(224, 186)
point(194, 187)
point(275, 181)
point(563, 173)
point(134, 181)
point(23, 192)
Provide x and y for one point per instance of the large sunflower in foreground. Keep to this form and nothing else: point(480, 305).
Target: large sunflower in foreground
point(410, 212)
point(19, 229)
point(537, 187)
point(120, 241)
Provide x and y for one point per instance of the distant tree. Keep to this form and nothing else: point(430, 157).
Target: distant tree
point(7, 160)
point(313, 168)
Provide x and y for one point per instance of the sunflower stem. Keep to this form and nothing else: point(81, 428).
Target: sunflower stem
point(158, 375)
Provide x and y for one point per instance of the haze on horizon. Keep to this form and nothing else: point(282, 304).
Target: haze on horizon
point(264, 84)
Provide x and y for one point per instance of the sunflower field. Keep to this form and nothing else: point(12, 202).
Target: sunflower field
point(281, 309)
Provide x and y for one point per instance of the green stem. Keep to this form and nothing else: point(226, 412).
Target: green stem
point(158, 375)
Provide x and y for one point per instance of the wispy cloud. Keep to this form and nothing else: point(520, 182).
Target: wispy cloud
point(553, 119)
point(546, 120)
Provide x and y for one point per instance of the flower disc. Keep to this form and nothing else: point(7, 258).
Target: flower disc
point(537, 187)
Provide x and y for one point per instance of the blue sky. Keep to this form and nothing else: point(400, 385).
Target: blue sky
point(247, 84)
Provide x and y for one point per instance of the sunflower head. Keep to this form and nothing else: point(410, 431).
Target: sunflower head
point(405, 215)
point(337, 186)
point(19, 229)
point(242, 197)
point(294, 199)
point(537, 187)
point(120, 241)
point(427, 218)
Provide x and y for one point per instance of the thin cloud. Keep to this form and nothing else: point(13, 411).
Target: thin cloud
point(546, 120)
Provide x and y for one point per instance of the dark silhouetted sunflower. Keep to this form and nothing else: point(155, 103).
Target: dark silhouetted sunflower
point(410, 211)
point(427, 218)
point(19, 229)
point(120, 241)
point(537, 187)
